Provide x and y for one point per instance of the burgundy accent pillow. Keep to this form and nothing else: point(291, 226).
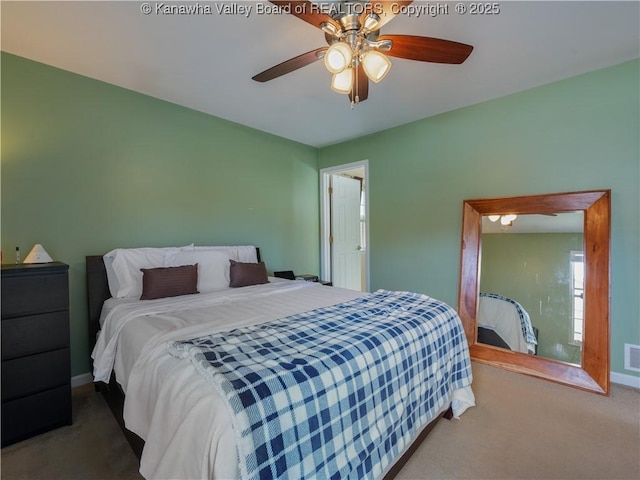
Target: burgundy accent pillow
point(169, 281)
point(245, 274)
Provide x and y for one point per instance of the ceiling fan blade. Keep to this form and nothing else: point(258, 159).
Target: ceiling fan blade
point(307, 11)
point(426, 49)
point(361, 86)
point(386, 10)
point(290, 65)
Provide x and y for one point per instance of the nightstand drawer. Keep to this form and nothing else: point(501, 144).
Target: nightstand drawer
point(29, 293)
point(35, 373)
point(35, 414)
point(34, 333)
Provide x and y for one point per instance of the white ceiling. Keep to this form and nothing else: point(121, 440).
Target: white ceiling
point(206, 62)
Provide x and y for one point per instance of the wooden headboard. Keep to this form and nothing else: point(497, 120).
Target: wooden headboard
point(98, 292)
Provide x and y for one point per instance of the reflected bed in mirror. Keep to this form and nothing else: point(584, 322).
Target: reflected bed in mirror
point(534, 285)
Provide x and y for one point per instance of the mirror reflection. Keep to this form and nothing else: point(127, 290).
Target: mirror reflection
point(532, 284)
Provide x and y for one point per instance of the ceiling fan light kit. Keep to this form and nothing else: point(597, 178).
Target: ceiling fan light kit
point(354, 54)
point(338, 57)
point(342, 82)
point(376, 65)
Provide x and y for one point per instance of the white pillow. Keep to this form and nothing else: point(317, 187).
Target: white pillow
point(123, 268)
point(213, 266)
point(242, 253)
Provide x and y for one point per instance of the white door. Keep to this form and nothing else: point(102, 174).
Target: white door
point(346, 255)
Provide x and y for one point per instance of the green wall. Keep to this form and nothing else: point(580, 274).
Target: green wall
point(87, 167)
point(578, 134)
point(534, 269)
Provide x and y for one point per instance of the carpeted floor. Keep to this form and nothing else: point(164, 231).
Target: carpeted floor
point(521, 428)
point(526, 428)
point(93, 448)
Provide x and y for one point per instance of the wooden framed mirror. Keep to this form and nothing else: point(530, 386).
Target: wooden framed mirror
point(591, 371)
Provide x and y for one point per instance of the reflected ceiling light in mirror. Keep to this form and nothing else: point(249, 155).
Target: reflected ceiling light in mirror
point(506, 220)
point(557, 222)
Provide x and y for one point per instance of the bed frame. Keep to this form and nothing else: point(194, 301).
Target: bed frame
point(98, 292)
point(490, 337)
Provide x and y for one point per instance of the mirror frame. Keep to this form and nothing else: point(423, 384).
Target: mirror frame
point(593, 373)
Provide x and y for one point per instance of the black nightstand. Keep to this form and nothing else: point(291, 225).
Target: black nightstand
point(36, 366)
point(289, 275)
point(313, 278)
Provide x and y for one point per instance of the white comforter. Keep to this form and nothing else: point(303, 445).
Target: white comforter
point(183, 421)
point(503, 318)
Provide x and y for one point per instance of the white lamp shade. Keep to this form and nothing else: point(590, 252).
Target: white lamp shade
point(342, 82)
point(494, 218)
point(338, 57)
point(376, 65)
point(38, 255)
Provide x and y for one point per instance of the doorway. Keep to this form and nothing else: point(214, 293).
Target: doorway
point(344, 229)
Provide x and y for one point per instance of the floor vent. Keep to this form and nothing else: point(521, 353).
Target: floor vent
point(632, 357)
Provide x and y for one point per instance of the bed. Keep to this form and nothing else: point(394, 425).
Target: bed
point(504, 323)
point(186, 374)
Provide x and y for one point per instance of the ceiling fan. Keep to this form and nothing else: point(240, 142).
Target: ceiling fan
point(354, 55)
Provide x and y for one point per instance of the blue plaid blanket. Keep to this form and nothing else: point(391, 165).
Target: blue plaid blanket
point(337, 392)
point(525, 321)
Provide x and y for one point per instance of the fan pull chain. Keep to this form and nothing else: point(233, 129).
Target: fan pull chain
point(356, 97)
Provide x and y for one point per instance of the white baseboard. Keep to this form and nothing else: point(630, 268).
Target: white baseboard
point(628, 380)
point(82, 379)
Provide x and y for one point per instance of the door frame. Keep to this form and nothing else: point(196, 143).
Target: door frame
point(325, 217)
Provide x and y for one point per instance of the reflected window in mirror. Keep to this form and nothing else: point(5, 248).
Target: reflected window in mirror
point(577, 280)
